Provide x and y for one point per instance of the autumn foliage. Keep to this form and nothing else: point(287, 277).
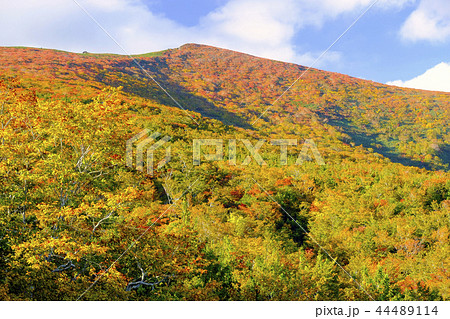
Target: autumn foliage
point(77, 223)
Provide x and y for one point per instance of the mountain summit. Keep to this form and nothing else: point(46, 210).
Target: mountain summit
point(406, 125)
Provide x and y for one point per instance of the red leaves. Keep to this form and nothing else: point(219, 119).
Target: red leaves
point(284, 182)
point(380, 203)
point(237, 194)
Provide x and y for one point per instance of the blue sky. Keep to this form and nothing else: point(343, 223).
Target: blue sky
point(406, 41)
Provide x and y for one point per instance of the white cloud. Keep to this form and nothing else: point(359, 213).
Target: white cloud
point(336, 7)
point(63, 25)
point(261, 27)
point(435, 79)
point(430, 21)
point(267, 27)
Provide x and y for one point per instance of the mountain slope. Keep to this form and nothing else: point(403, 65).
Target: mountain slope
point(78, 222)
point(405, 125)
point(409, 126)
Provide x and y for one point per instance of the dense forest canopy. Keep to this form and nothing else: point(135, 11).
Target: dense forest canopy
point(77, 222)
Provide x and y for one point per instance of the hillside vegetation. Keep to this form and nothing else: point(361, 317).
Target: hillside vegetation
point(77, 223)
